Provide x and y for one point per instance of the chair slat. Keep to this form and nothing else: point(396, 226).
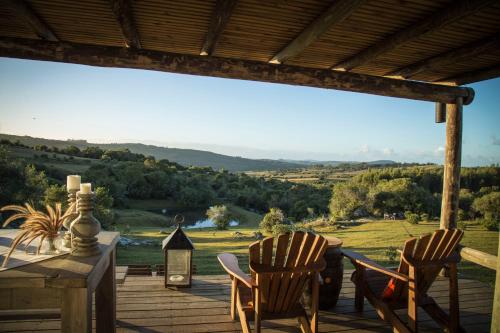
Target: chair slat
point(267, 257)
point(442, 244)
point(436, 238)
point(421, 247)
point(254, 254)
point(279, 261)
point(304, 253)
point(316, 254)
point(399, 286)
point(293, 251)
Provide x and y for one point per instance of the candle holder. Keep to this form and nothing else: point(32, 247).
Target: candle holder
point(67, 224)
point(85, 227)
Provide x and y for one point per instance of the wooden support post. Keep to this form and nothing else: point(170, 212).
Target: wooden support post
point(452, 163)
point(495, 319)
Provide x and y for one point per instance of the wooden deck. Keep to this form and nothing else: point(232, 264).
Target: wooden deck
point(144, 305)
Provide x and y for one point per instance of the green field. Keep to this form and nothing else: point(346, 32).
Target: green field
point(370, 238)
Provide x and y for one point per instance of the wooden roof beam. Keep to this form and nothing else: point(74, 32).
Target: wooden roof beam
point(339, 11)
point(455, 11)
point(108, 56)
point(482, 74)
point(25, 12)
point(122, 9)
point(220, 18)
point(462, 53)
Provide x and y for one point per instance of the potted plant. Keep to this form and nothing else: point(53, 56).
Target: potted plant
point(37, 224)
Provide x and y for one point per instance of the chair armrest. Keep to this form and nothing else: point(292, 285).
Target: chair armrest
point(230, 264)
point(360, 259)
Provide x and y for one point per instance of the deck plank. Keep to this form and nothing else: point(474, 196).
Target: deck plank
point(144, 305)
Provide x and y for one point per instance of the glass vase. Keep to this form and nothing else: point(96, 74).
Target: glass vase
point(51, 245)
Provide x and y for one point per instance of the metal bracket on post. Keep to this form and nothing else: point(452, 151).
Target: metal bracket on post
point(440, 112)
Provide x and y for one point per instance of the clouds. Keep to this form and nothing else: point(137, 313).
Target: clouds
point(495, 141)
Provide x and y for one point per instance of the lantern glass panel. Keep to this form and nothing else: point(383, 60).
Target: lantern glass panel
point(178, 267)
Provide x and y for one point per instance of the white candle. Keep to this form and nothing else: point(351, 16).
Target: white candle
point(85, 188)
point(73, 182)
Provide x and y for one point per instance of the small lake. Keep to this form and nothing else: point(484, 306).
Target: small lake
point(207, 223)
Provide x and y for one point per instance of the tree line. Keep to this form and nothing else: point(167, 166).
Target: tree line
point(415, 193)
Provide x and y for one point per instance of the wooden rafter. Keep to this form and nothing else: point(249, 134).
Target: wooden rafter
point(25, 12)
point(462, 53)
point(122, 9)
point(337, 12)
point(473, 76)
point(455, 11)
point(220, 18)
point(108, 56)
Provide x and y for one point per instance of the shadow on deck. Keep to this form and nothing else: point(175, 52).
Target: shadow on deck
point(144, 305)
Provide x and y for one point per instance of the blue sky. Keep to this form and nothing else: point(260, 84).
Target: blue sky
point(243, 118)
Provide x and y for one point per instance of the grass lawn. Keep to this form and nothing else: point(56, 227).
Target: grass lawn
point(369, 238)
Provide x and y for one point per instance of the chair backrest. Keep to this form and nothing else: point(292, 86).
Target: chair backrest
point(296, 257)
point(429, 252)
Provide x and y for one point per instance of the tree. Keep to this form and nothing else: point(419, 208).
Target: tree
point(54, 194)
point(220, 216)
point(274, 217)
point(346, 199)
point(488, 206)
point(103, 207)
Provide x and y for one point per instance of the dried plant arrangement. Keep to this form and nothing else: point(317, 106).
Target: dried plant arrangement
point(36, 224)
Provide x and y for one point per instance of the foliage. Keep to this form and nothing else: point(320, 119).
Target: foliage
point(103, 207)
point(274, 217)
point(279, 229)
point(391, 253)
point(347, 198)
point(220, 216)
point(56, 193)
point(412, 217)
point(36, 224)
point(491, 225)
point(488, 206)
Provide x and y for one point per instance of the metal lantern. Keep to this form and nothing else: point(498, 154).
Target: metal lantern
point(178, 251)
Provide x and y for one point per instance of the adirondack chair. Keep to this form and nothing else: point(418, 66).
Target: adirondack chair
point(274, 288)
point(421, 261)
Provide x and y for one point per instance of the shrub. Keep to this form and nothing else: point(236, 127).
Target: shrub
point(279, 229)
point(220, 216)
point(274, 217)
point(391, 253)
point(412, 217)
point(424, 217)
point(488, 224)
point(462, 225)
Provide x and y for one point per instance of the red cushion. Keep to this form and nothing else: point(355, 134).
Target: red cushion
point(389, 289)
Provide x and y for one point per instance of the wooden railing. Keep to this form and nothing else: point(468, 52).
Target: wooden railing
point(478, 257)
point(489, 261)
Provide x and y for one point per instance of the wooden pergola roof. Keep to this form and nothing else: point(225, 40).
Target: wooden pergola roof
point(454, 42)
point(341, 44)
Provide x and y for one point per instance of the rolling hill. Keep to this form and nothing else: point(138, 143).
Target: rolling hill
point(188, 157)
point(182, 156)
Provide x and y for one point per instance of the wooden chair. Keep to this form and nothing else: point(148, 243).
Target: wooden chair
point(274, 289)
point(421, 261)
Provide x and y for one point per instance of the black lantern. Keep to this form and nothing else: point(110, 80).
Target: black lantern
point(178, 251)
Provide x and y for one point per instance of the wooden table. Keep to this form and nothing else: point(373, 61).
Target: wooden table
point(67, 283)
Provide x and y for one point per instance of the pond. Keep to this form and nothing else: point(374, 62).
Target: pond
point(207, 223)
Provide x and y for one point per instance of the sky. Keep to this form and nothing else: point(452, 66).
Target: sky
point(235, 117)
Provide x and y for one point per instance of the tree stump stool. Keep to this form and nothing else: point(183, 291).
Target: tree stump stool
point(332, 275)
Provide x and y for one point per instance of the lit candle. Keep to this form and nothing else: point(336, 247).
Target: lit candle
point(85, 188)
point(73, 182)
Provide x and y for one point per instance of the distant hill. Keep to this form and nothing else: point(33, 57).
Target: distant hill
point(182, 156)
point(188, 157)
point(337, 163)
